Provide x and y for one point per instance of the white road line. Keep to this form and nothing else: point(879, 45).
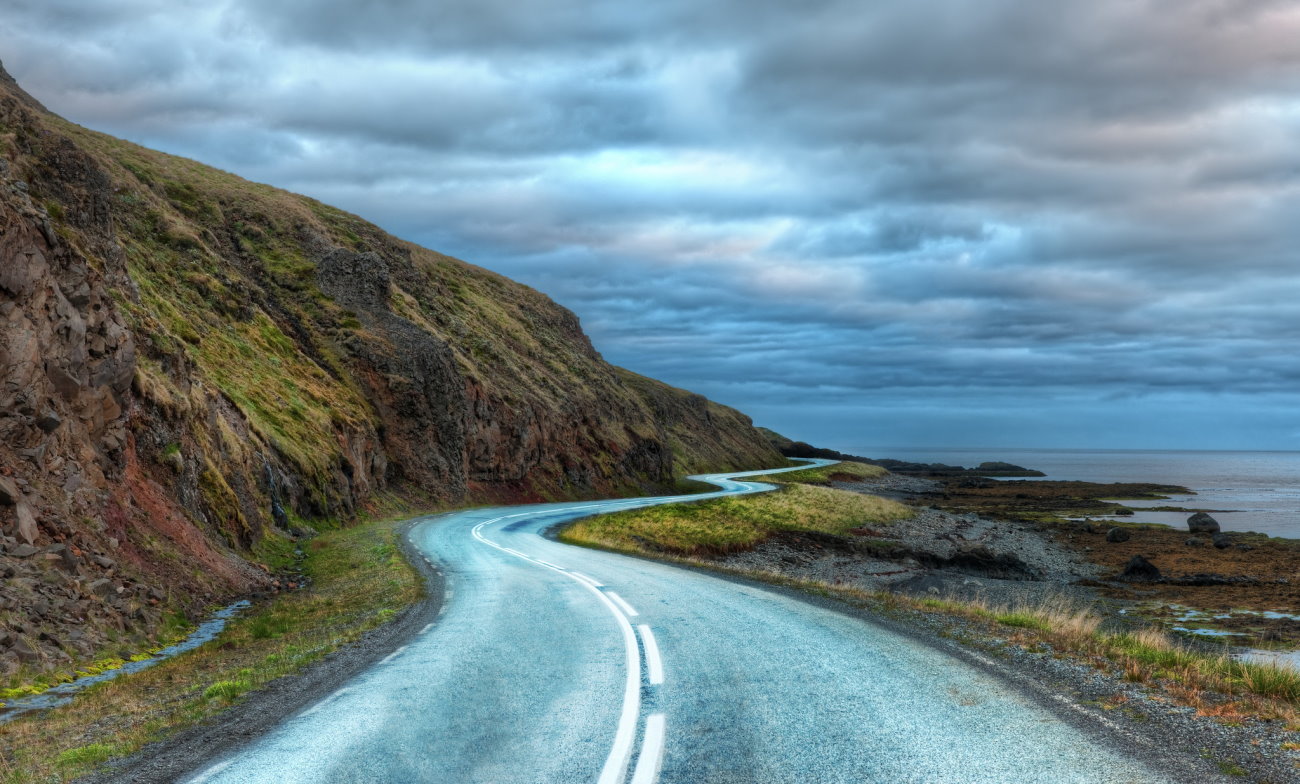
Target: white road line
point(652, 744)
point(588, 580)
point(212, 771)
point(654, 665)
point(620, 754)
point(627, 608)
point(651, 757)
point(392, 655)
point(426, 628)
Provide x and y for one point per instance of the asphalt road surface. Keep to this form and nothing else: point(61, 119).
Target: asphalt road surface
point(552, 663)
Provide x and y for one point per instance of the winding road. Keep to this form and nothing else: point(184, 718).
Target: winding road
point(552, 663)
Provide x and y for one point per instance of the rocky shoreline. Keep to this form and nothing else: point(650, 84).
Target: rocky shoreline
point(997, 561)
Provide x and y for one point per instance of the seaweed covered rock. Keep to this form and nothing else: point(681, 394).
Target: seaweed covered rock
point(1139, 569)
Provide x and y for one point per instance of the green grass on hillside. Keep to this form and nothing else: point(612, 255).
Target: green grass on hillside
point(734, 523)
point(837, 472)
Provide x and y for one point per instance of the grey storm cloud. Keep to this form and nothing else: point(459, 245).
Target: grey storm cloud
point(1002, 218)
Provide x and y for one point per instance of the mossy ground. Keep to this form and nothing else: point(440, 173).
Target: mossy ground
point(734, 523)
point(820, 475)
point(358, 580)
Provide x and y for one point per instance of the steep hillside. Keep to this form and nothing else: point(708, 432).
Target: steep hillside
point(195, 369)
point(703, 435)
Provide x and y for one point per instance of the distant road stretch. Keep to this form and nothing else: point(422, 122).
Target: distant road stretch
point(552, 663)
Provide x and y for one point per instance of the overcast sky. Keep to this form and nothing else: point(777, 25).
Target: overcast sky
point(979, 223)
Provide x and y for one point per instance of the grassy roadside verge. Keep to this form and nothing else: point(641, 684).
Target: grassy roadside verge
point(1216, 685)
point(734, 523)
point(359, 580)
point(821, 475)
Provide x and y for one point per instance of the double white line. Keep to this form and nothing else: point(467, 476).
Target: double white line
point(650, 757)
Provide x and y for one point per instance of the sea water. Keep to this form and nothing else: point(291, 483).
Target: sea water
point(1249, 491)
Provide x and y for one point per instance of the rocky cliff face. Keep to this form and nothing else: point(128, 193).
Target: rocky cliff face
point(195, 369)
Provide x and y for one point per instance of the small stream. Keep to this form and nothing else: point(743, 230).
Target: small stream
point(64, 692)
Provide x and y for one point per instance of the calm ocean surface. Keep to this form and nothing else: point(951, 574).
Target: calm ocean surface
point(1263, 488)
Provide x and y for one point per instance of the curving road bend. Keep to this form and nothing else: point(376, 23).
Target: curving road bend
point(552, 663)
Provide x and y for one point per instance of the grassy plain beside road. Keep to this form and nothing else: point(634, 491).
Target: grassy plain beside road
point(735, 523)
point(840, 472)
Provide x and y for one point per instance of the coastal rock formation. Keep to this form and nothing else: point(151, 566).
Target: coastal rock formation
point(1116, 535)
point(194, 366)
point(1202, 523)
point(1140, 569)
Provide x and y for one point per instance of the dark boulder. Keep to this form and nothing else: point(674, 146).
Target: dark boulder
point(1140, 569)
point(1116, 535)
point(48, 422)
point(1123, 511)
point(1194, 541)
point(1202, 523)
point(1222, 541)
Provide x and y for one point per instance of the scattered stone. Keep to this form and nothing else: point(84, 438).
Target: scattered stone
point(23, 551)
point(1123, 511)
point(1117, 534)
point(1140, 569)
point(1222, 541)
point(23, 650)
point(69, 561)
point(102, 587)
point(1202, 523)
point(9, 494)
point(48, 422)
point(1194, 541)
point(27, 530)
point(104, 562)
